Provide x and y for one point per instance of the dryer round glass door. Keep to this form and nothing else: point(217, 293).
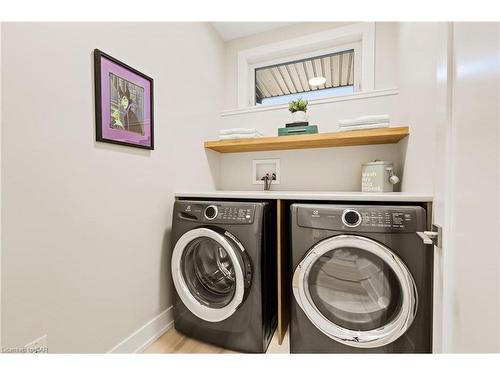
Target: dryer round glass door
point(210, 273)
point(356, 291)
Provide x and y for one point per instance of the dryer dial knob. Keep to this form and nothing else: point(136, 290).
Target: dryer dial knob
point(211, 212)
point(351, 218)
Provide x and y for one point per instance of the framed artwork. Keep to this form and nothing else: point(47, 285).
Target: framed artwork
point(123, 103)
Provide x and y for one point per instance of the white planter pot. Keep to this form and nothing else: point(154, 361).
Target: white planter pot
point(299, 116)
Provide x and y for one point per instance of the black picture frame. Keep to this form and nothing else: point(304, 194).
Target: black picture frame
point(98, 56)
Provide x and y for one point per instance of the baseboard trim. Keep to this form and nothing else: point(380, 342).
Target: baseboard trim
point(139, 340)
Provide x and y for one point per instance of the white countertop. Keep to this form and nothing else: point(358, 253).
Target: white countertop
point(308, 195)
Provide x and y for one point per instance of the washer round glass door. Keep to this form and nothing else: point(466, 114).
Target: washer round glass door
point(208, 271)
point(356, 291)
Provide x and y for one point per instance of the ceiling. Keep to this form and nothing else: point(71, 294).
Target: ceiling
point(233, 30)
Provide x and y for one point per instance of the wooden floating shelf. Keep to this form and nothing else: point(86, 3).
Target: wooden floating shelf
point(292, 142)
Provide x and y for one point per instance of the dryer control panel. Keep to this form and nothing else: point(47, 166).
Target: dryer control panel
point(217, 212)
point(357, 218)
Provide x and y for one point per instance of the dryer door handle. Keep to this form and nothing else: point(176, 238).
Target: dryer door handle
point(433, 237)
point(426, 239)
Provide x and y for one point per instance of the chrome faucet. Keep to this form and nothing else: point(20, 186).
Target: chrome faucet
point(268, 180)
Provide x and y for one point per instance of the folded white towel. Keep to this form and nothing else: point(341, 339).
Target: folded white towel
point(364, 120)
point(362, 127)
point(239, 136)
point(239, 131)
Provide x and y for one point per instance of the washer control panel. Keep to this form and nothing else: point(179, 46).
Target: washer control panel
point(217, 212)
point(362, 218)
point(237, 214)
point(388, 219)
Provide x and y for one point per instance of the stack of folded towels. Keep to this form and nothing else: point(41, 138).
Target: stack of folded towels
point(239, 133)
point(365, 122)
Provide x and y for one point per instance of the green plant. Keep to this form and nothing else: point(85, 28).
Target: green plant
point(297, 105)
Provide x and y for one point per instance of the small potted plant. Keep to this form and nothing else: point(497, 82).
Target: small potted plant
point(298, 108)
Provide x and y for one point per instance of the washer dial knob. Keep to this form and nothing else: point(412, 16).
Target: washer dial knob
point(351, 218)
point(211, 212)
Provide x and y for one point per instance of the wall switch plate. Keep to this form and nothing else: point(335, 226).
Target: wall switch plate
point(39, 345)
point(263, 166)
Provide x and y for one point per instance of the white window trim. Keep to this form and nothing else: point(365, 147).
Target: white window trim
point(334, 99)
point(335, 39)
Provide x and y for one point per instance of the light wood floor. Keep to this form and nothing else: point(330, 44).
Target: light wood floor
point(176, 343)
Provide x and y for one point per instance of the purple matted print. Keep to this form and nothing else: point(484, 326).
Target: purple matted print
point(123, 103)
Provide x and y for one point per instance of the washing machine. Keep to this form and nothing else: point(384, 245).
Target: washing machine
point(224, 272)
point(362, 279)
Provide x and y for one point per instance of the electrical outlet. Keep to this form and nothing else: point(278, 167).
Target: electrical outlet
point(39, 345)
point(264, 166)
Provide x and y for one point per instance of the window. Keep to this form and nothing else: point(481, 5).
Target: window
point(279, 72)
point(311, 78)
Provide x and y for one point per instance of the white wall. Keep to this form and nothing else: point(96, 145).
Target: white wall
point(418, 51)
point(320, 169)
point(386, 55)
point(467, 188)
point(385, 52)
point(1, 197)
point(473, 199)
point(405, 58)
point(442, 256)
point(86, 225)
point(423, 103)
point(337, 169)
